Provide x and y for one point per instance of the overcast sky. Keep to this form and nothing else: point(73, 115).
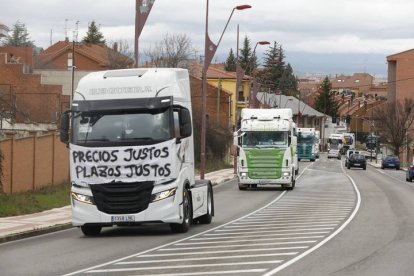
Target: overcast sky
point(318, 36)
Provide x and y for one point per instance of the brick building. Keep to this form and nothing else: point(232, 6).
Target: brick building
point(23, 97)
point(92, 57)
point(401, 76)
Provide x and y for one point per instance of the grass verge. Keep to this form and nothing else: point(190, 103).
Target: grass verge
point(34, 201)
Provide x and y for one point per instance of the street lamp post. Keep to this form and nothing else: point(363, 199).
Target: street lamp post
point(253, 90)
point(209, 51)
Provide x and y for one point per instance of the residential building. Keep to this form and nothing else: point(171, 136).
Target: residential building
point(23, 96)
point(400, 76)
point(359, 83)
point(55, 63)
point(226, 82)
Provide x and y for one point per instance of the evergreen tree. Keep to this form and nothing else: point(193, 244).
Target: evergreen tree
point(325, 101)
point(288, 83)
point(19, 36)
point(230, 64)
point(93, 36)
point(245, 56)
point(273, 67)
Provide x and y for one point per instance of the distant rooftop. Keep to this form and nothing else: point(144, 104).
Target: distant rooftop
point(283, 101)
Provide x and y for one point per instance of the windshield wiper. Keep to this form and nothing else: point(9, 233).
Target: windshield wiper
point(94, 140)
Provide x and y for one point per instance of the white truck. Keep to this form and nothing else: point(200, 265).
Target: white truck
point(266, 144)
point(132, 151)
point(335, 143)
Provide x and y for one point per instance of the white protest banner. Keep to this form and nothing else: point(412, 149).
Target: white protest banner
point(97, 165)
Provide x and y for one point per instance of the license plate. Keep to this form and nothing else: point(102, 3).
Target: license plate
point(263, 181)
point(357, 165)
point(391, 165)
point(122, 218)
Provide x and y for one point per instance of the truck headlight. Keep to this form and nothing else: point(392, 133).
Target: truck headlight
point(163, 195)
point(82, 198)
point(286, 174)
point(243, 175)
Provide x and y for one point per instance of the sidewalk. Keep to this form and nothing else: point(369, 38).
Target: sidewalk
point(18, 227)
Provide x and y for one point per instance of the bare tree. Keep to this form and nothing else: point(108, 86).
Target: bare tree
point(120, 55)
point(393, 122)
point(172, 51)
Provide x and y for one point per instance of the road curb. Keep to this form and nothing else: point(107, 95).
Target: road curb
point(35, 232)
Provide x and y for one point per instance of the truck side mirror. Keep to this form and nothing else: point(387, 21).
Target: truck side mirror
point(185, 123)
point(64, 127)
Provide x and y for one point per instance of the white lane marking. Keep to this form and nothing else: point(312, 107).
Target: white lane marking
point(221, 251)
point(260, 232)
point(238, 245)
point(241, 240)
point(296, 215)
point(300, 219)
point(208, 258)
point(209, 272)
point(255, 236)
point(351, 217)
point(263, 225)
point(262, 222)
point(109, 270)
point(277, 227)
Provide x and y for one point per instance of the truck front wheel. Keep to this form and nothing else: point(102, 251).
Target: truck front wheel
point(91, 230)
point(187, 214)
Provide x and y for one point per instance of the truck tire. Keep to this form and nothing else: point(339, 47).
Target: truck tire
point(207, 218)
point(187, 214)
point(91, 230)
point(242, 187)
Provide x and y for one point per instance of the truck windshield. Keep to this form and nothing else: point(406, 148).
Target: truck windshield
point(265, 139)
point(306, 139)
point(122, 127)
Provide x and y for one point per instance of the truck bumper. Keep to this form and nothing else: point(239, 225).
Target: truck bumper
point(286, 178)
point(167, 210)
point(162, 211)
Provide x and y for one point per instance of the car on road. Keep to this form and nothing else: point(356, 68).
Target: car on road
point(409, 174)
point(357, 160)
point(349, 153)
point(391, 161)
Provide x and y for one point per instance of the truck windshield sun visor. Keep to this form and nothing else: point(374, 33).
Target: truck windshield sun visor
point(122, 104)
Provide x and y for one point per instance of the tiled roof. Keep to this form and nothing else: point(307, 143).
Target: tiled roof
point(355, 81)
point(95, 52)
point(213, 72)
point(291, 102)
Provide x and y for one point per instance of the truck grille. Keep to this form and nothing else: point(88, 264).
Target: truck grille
point(264, 163)
point(304, 150)
point(122, 198)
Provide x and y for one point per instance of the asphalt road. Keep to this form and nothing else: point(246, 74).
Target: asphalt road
point(379, 240)
point(322, 227)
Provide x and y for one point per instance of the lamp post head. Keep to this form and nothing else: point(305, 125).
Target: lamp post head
point(242, 7)
point(263, 42)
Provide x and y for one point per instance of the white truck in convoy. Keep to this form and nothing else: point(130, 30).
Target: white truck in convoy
point(335, 143)
point(132, 151)
point(266, 145)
